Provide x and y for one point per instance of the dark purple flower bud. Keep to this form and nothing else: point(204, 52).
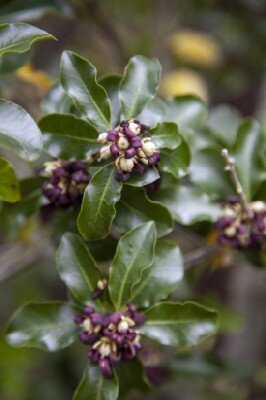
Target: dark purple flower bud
point(88, 310)
point(223, 222)
point(129, 352)
point(130, 153)
point(96, 319)
point(139, 169)
point(106, 320)
point(78, 176)
point(77, 165)
point(144, 128)
point(114, 150)
point(115, 360)
point(135, 142)
point(93, 338)
point(84, 338)
point(54, 180)
point(122, 176)
point(112, 136)
point(64, 200)
point(58, 172)
point(223, 240)
point(124, 123)
point(129, 134)
point(242, 229)
point(131, 307)
point(96, 294)
point(78, 319)
point(105, 368)
point(232, 200)
point(115, 317)
point(138, 318)
point(154, 158)
point(93, 355)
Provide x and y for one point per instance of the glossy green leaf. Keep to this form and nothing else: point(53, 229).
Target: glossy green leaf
point(222, 122)
point(94, 386)
point(66, 126)
point(18, 38)
point(78, 79)
point(188, 112)
point(111, 84)
point(207, 171)
point(135, 252)
point(9, 186)
point(18, 131)
point(135, 208)
point(162, 277)
point(166, 135)
point(149, 176)
point(247, 153)
point(188, 205)
point(98, 206)
point(139, 85)
point(77, 268)
point(28, 10)
point(176, 161)
point(128, 381)
point(154, 112)
point(47, 326)
point(179, 324)
point(56, 101)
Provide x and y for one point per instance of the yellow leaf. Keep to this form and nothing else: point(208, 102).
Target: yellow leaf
point(183, 81)
point(36, 77)
point(196, 48)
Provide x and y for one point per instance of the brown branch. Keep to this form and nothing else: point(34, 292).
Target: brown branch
point(230, 167)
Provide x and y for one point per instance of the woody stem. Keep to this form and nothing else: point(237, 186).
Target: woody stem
point(230, 167)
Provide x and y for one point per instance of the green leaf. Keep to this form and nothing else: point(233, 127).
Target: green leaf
point(247, 153)
point(149, 176)
point(188, 205)
point(188, 112)
point(77, 268)
point(176, 161)
point(179, 324)
point(154, 112)
point(66, 126)
point(18, 132)
point(129, 381)
point(139, 85)
point(47, 326)
point(94, 386)
point(56, 101)
point(207, 171)
point(135, 208)
point(134, 254)
point(222, 123)
point(166, 135)
point(98, 206)
point(162, 277)
point(18, 38)
point(28, 10)
point(11, 62)
point(9, 186)
point(111, 84)
point(78, 79)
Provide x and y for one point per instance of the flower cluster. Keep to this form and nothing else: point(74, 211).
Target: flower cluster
point(129, 143)
point(238, 230)
point(67, 182)
point(112, 337)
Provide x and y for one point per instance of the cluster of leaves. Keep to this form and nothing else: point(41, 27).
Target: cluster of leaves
point(146, 267)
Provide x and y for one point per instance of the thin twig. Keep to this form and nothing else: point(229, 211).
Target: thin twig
point(194, 257)
point(230, 167)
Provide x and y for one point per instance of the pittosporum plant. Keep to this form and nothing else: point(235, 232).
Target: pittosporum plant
point(115, 310)
point(121, 166)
